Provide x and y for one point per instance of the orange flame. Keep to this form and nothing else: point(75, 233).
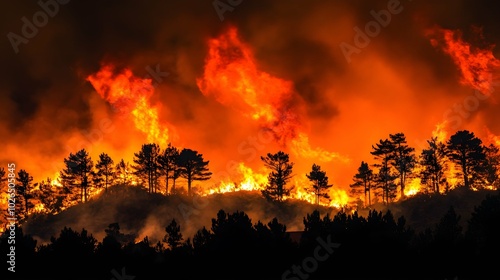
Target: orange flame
point(131, 95)
point(232, 77)
point(56, 181)
point(300, 146)
point(413, 187)
point(249, 180)
point(477, 66)
point(440, 132)
point(493, 139)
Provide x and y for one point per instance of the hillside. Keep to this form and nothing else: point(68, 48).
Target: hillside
point(144, 214)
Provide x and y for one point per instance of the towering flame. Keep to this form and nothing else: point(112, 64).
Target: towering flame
point(131, 96)
point(233, 78)
point(478, 66)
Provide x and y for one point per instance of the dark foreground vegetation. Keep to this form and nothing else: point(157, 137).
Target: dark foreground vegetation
point(378, 245)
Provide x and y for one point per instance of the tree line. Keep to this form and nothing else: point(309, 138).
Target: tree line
point(80, 176)
point(157, 169)
point(342, 246)
point(476, 166)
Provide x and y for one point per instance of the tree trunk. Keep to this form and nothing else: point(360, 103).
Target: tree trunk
point(466, 176)
point(402, 185)
point(26, 205)
point(369, 197)
point(166, 183)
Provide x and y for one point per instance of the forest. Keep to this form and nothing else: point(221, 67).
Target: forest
point(329, 245)
point(462, 160)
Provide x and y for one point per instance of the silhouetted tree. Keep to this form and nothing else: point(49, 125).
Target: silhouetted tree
point(433, 163)
point(168, 161)
point(383, 152)
point(147, 166)
point(109, 251)
point(72, 249)
point(466, 150)
point(232, 231)
point(174, 235)
point(123, 172)
point(193, 167)
point(25, 189)
point(113, 231)
point(449, 230)
point(105, 169)
point(491, 166)
point(403, 159)
point(483, 229)
point(364, 178)
point(319, 182)
point(201, 240)
point(281, 172)
point(77, 171)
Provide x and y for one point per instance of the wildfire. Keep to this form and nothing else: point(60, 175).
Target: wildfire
point(477, 66)
point(232, 77)
point(131, 96)
point(250, 180)
point(57, 180)
point(413, 187)
point(300, 146)
point(39, 208)
point(494, 139)
point(338, 198)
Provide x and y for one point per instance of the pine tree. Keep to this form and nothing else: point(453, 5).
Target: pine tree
point(403, 159)
point(364, 178)
point(169, 162)
point(77, 172)
point(319, 182)
point(193, 167)
point(105, 169)
point(433, 163)
point(147, 166)
point(466, 151)
point(281, 172)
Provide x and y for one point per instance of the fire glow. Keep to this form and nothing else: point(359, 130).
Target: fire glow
point(232, 77)
point(475, 65)
point(131, 96)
